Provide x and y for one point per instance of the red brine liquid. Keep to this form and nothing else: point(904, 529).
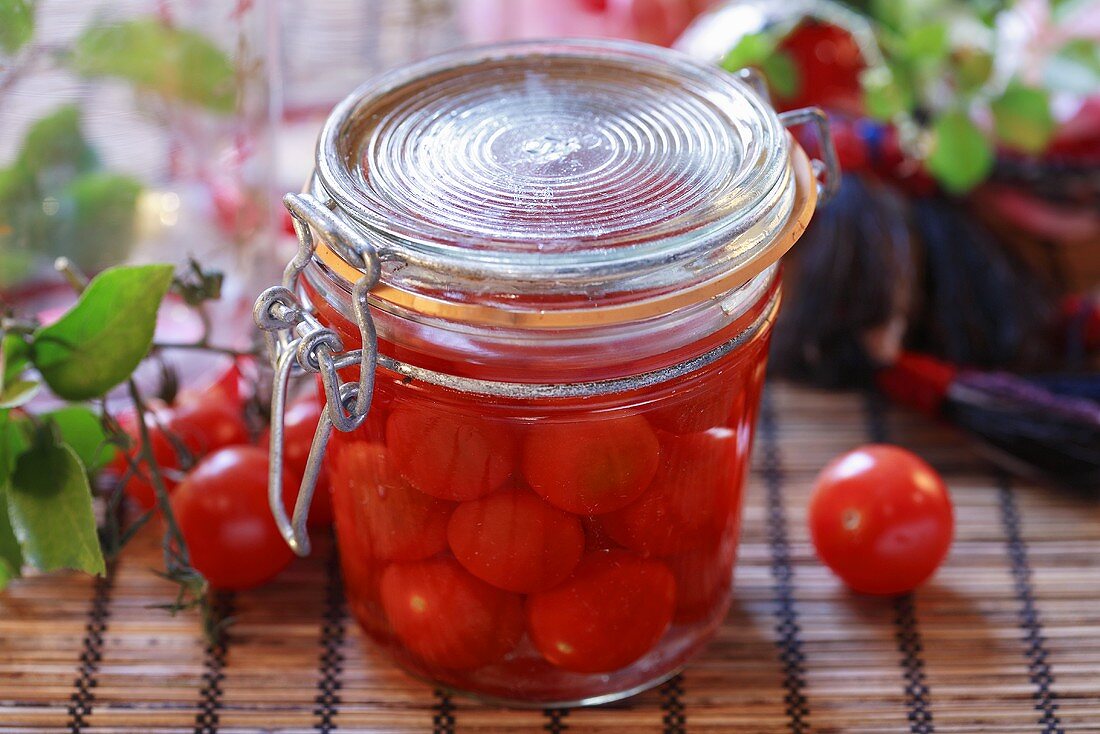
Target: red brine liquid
point(547, 551)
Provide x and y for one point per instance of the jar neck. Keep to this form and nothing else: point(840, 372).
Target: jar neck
point(539, 355)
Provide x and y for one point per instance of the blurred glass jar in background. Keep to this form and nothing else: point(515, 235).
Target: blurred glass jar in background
point(134, 131)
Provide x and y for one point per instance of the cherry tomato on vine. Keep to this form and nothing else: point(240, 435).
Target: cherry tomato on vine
point(881, 519)
point(449, 456)
point(448, 618)
point(688, 503)
point(138, 484)
point(222, 511)
point(516, 541)
point(610, 612)
point(591, 466)
point(392, 519)
point(828, 64)
point(206, 426)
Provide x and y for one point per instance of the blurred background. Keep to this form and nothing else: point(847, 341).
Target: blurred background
point(967, 229)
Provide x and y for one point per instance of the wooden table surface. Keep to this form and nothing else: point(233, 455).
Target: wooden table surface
point(1006, 638)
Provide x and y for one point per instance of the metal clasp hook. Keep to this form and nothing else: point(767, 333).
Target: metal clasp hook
point(297, 340)
point(830, 167)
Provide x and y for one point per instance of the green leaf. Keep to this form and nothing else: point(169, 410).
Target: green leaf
point(11, 555)
point(97, 228)
point(883, 96)
point(1022, 118)
point(1075, 68)
point(973, 67)
point(14, 440)
point(961, 156)
point(16, 24)
point(19, 393)
point(752, 50)
point(174, 63)
point(50, 507)
point(81, 429)
point(782, 74)
point(98, 342)
point(55, 150)
point(926, 44)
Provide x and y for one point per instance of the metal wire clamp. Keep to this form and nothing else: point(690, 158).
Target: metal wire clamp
point(298, 342)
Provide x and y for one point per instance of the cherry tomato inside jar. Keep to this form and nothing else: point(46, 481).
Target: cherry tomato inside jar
point(446, 617)
point(881, 519)
point(688, 503)
point(452, 457)
point(516, 541)
point(610, 612)
point(388, 516)
point(299, 426)
point(591, 465)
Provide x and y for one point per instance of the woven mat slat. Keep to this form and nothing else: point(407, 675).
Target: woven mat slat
point(1005, 639)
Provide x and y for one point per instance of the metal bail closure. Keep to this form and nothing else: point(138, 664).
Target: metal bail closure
point(830, 167)
point(298, 343)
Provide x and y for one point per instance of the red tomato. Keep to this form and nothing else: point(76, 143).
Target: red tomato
point(689, 502)
point(206, 426)
point(222, 510)
point(593, 465)
point(394, 520)
point(452, 457)
point(515, 541)
point(300, 423)
point(610, 612)
point(881, 519)
point(139, 486)
point(829, 64)
point(709, 405)
point(703, 578)
point(362, 572)
point(446, 617)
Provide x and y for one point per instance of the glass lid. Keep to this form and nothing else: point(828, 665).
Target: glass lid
point(611, 166)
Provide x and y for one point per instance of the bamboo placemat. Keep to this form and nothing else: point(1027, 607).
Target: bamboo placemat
point(1005, 639)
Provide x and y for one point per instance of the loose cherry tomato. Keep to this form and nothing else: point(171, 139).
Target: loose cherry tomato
point(206, 426)
point(515, 541)
point(689, 501)
point(452, 457)
point(300, 423)
point(610, 612)
point(397, 522)
point(829, 64)
point(703, 578)
point(223, 513)
point(881, 519)
point(448, 618)
point(593, 465)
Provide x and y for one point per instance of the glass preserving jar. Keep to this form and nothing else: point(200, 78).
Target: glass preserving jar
point(537, 281)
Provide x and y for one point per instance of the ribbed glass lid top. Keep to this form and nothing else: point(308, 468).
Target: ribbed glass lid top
point(528, 156)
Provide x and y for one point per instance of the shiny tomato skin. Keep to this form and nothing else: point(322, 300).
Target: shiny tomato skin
point(516, 541)
point(688, 503)
point(829, 64)
point(610, 612)
point(881, 519)
point(450, 456)
point(446, 617)
point(299, 426)
point(394, 520)
point(592, 465)
point(222, 510)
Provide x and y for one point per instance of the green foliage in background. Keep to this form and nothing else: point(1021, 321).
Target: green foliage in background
point(56, 200)
point(16, 24)
point(174, 63)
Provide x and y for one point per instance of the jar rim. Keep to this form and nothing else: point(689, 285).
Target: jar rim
point(717, 242)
